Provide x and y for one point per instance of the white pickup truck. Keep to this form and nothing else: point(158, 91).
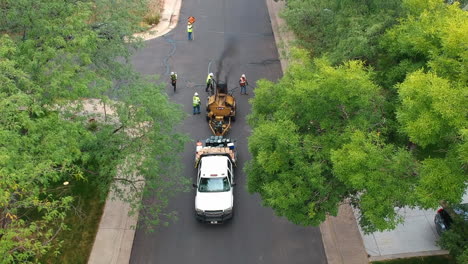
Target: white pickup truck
point(215, 162)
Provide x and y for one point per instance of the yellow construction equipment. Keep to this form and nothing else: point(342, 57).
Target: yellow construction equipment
point(220, 110)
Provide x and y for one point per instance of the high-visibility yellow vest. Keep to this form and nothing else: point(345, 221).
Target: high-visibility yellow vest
point(196, 100)
point(189, 28)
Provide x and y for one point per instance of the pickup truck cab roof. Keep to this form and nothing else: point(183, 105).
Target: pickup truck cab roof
point(214, 166)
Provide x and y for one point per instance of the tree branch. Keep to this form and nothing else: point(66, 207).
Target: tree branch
point(53, 237)
point(117, 129)
point(342, 108)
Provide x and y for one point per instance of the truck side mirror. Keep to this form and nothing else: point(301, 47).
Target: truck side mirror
point(194, 185)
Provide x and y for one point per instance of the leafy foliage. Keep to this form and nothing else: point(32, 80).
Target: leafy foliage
point(455, 240)
point(318, 111)
point(39, 150)
point(432, 101)
point(382, 139)
point(431, 38)
point(53, 54)
point(343, 29)
point(365, 165)
point(432, 109)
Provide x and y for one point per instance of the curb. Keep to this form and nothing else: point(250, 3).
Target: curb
point(282, 37)
point(168, 21)
point(410, 255)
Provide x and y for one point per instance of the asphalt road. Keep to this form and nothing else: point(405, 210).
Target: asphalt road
point(231, 37)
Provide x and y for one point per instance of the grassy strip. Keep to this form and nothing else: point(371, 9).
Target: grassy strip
point(83, 222)
point(442, 259)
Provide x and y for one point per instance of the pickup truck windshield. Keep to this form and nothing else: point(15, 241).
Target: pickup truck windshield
point(214, 185)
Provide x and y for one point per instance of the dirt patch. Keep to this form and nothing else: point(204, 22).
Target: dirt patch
point(155, 6)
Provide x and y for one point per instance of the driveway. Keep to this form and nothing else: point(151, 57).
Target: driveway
point(231, 38)
point(417, 236)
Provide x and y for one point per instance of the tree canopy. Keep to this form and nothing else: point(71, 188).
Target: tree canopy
point(384, 133)
point(53, 55)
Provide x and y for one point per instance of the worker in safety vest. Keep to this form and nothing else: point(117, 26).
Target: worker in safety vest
point(209, 82)
point(196, 104)
point(190, 31)
point(243, 84)
point(174, 80)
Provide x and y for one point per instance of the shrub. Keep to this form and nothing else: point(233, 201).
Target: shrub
point(455, 240)
point(152, 19)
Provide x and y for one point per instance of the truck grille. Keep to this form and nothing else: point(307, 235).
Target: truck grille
point(214, 213)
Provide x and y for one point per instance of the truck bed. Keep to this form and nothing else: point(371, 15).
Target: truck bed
point(214, 150)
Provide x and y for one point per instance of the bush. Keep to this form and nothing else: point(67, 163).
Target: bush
point(152, 19)
point(341, 29)
point(455, 240)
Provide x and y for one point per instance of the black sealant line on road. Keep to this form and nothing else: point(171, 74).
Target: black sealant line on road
point(227, 49)
point(265, 62)
point(172, 42)
point(172, 52)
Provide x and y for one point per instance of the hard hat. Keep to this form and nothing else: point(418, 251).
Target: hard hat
point(211, 74)
point(243, 75)
point(196, 94)
point(172, 73)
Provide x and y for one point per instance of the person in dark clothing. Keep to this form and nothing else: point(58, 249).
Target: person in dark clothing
point(209, 82)
point(174, 80)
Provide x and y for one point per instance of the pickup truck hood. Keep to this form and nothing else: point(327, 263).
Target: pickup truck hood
point(213, 201)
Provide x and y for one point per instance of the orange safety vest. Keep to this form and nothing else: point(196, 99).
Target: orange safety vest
point(242, 81)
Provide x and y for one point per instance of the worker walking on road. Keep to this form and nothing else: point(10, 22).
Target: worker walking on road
point(190, 31)
point(209, 82)
point(174, 80)
point(243, 84)
point(196, 104)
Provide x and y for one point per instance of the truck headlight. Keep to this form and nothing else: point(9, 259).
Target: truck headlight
point(228, 211)
point(200, 212)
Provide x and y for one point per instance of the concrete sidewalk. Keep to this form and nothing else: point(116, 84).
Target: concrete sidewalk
point(114, 239)
point(417, 236)
point(341, 238)
point(116, 232)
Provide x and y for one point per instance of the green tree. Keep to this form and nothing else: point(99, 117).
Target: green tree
point(430, 37)
point(342, 29)
point(57, 53)
point(318, 111)
point(327, 139)
point(431, 101)
point(38, 152)
point(382, 176)
point(432, 114)
point(432, 109)
point(381, 148)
